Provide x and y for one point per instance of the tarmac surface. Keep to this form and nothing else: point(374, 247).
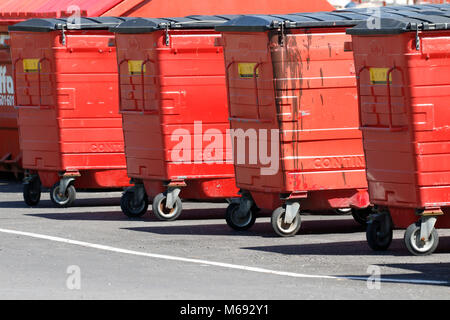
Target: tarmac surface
point(93, 251)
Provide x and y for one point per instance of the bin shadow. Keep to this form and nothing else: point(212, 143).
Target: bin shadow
point(221, 229)
point(9, 187)
point(83, 216)
point(261, 229)
point(347, 248)
point(79, 203)
point(197, 214)
point(434, 273)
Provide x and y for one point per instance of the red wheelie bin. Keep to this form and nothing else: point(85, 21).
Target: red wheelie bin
point(66, 90)
point(403, 69)
point(292, 90)
point(173, 102)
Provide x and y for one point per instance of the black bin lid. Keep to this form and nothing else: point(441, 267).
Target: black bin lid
point(396, 22)
point(147, 25)
point(340, 18)
point(84, 23)
point(261, 23)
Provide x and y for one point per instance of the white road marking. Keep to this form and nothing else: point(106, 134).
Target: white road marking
point(211, 263)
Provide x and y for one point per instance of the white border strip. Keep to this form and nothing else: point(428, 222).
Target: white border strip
point(211, 263)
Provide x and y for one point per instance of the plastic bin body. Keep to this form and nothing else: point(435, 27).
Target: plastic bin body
point(9, 135)
point(406, 121)
point(301, 83)
point(68, 107)
point(176, 98)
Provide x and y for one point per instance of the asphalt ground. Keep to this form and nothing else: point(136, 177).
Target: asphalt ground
point(93, 251)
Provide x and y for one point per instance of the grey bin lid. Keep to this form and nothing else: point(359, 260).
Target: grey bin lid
point(406, 21)
point(147, 25)
point(349, 17)
point(48, 25)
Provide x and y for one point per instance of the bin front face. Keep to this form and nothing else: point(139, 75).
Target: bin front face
point(406, 119)
point(305, 87)
point(174, 106)
point(68, 100)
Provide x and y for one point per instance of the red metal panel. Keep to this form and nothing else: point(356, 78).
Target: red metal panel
point(306, 89)
point(68, 111)
point(406, 120)
point(180, 96)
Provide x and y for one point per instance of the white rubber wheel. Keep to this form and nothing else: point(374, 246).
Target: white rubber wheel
point(283, 229)
point(63, 200)
point(163, 213)
point(415, 245)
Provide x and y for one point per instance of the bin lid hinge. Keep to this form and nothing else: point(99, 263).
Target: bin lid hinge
point(166, 33)
point(63, 36)
point(417, 36)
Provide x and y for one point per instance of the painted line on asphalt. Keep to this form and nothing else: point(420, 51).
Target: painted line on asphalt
point(211, 263)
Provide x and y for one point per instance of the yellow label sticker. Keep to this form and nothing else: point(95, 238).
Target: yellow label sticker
point(379, 75)
point(135, 66)
point(247, 70)
point(30, 65)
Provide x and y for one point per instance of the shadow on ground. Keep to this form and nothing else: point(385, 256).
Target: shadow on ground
point(434, 273)
point(350, 248)
point(262, 229)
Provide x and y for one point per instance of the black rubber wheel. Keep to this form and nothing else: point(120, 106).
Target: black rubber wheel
point(362, 215)
point(129, 206)
point(376, 240)
point(32, 192)
point(415, 245)
point(63, 200)
point(163, 213)
point(283, 229)
point(239, 223)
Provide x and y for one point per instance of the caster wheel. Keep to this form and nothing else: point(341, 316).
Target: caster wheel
point(32, 192)
point(375, 238)
point(163, 213)
point(63, 200)
point(132, 208)
point(285, 229)
point(362, 215)
point(239, 223)
point(417, 246)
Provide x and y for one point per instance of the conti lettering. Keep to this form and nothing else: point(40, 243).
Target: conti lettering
point(107, 147)
point(339, 162)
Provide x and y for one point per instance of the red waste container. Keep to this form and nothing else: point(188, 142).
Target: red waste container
point(293, 112)
point(404, 79)
point(174, 107)
point(67, 95)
